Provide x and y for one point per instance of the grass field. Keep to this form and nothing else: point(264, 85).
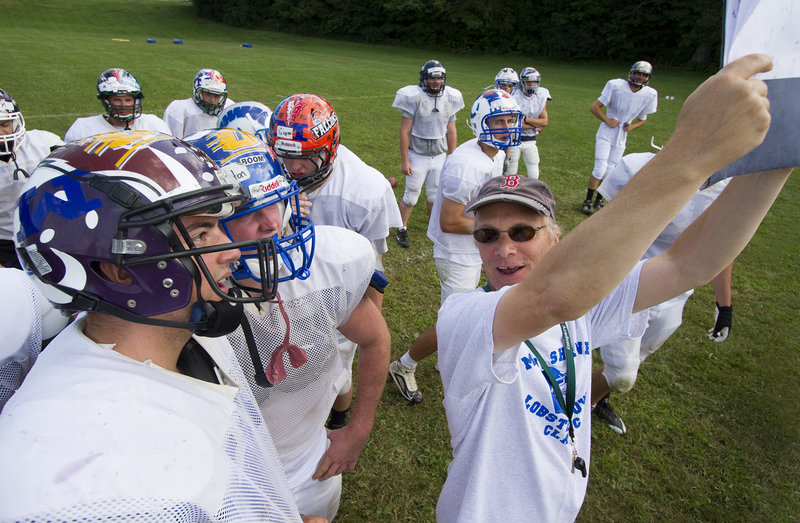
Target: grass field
point(714, 431)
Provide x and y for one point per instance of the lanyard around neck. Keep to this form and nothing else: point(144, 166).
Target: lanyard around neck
point(568, 406)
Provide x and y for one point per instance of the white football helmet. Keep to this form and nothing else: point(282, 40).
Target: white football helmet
point(250, 117)
point(209, 81)
point(120, 82)
point(9, 110)
point(506, 80)
point(529, 79)
point(488, 105)
point(640, 67)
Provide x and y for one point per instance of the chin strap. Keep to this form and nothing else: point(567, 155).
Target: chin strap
point(19, 170)
point(213, 319)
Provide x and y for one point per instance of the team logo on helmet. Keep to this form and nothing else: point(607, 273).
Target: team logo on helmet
point(251, 117)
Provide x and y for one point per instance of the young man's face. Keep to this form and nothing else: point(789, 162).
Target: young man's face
point(508, 262)
point(434, 83)
point(263, 223)
point(122, 103)
point(205, 232)
point(639, 78)
point(6, 127)
point(503, 121)
point(298, 167)
point(210, 98)
point(506, 86)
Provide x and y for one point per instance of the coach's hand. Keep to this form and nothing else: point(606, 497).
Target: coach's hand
point(725, 118)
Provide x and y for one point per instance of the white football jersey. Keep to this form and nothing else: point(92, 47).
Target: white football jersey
point(431, 114)
point(628, 167)
point(624, 105)
point(184, 117)
point(31, 149)
point(296, 408)
point(531, 106)
point(95, 435)
point(26, 321)
point(357, 197)
point(463, 173)
point(89, 126)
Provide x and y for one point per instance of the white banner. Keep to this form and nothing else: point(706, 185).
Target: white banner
point(771, 27)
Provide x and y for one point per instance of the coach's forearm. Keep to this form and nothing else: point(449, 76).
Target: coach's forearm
point(714, 239)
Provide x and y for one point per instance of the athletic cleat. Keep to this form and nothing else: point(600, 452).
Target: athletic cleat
point(402, 238)
point(598, 204)
point(405, 381)
point(587, 207)
point(606, 413)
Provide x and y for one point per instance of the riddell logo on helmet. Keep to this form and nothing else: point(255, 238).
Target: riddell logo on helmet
point(288, 146)
point(322, 128)
point(266, 188)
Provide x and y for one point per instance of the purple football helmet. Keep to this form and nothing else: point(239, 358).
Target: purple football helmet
point(119, 198)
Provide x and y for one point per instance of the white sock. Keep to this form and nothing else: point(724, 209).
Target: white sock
point(407, 362)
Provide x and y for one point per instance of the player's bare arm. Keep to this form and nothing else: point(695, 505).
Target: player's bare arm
point(452, 218)
point(597, 111)
point(405, 141)
point(708, 136)
point(452, 137)
point(367, 328)
point(540, 121)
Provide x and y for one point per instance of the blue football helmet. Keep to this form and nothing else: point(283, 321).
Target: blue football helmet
point(257, 169)
point(432, 69)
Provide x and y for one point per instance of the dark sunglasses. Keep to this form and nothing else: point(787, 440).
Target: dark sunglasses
point(518, 233)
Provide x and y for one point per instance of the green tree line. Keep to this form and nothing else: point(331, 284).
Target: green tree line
point(669, 32)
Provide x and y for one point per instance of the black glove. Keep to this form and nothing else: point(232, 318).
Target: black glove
point(723, 318)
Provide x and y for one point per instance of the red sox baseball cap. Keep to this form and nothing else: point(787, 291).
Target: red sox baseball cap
point(513, 188)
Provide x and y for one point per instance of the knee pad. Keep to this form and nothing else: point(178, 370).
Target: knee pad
point(621, 382)
point(411, 196)
point(621, 364)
